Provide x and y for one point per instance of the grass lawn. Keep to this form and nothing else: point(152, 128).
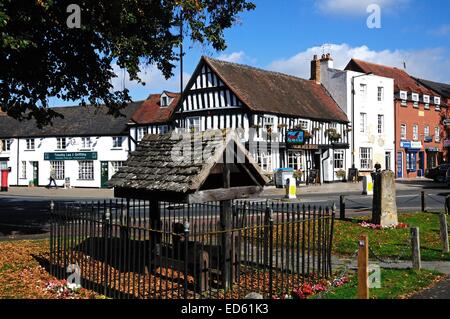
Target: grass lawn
point(23, 277)
point(392, 243)
point(395, 284)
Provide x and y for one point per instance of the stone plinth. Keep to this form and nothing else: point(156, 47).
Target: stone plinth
point(384, 211)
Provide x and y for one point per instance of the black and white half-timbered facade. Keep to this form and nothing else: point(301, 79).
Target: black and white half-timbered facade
point(266, 106)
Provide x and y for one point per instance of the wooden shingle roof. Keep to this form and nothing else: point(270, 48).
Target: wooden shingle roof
point(171, 167)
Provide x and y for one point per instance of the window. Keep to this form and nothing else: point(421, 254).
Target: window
point(303, 125)
point(403, 132)
point(437, 100)
point(141, 132)
point(380, 94)
point(115, 166)
point(411, 162)
point(404, 97)
point(86, 142)
point(380, 124)
point(427, 106)
point(6, 145)
point(163, 129)
point(117, 141)
point(295, 160)
point(86, 170)
point(415, 132)
point(363, 89)
point(365, 157)
point(363, 122)
point(437, 134)
point(23, 172)
point(194, 124)
point(415, 97)
point(265, 160)
point(30, 144)
point(338, 159)
point(58, 167)
point(416, 105)
point(61, 143)
point(426, 99)
point(426, 131)
point(164, 101)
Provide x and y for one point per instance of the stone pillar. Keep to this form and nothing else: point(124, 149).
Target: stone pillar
point(384, 209)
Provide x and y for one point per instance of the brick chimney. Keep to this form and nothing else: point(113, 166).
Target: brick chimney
point(315, 69)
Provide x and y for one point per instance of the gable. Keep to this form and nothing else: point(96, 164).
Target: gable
point(206, 91)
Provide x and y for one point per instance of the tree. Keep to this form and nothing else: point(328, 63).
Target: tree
point(42, 55)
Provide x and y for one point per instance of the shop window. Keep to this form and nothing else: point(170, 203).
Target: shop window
point(265, 160)
point(23, 172)
point(58, 167)
point(365, 157)
point(339, 159)
point(115, 166)
point(86, 170)
point(411, 162)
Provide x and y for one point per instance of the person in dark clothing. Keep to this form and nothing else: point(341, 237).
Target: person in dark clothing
point(377, 168)
point(52, 178)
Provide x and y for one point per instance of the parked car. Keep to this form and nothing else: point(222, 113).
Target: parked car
point(438, 174)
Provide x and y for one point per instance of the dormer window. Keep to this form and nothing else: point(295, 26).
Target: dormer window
point(404, 97)
point(415, 98)
point(165, 100)
point(437, 100)
point(426, 99)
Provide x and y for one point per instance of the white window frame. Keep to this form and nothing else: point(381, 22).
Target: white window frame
point(437, 134)
point(6, 145)
point(403, 132)
point(59, 168)
point(426, 99)
point(117, 142)
point(295, 160)
point(265, 160)
point(86, 143)
point(380, 94)
point(339, 159)
point(163, 129)
point(363, 122)
point(437, 100)
point(61, 143)
point(31, 144)
point(404, 97)
point(141, 132)
point(366, 158)
point(363, 89)
point(415, 97)
point(380, 123)
point(415, 132)
point(165, 101)
point(86, 170)
point(426, 131)
point(194, 124)
point(115, 166)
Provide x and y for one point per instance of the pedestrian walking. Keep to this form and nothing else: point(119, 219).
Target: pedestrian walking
point(52, 178)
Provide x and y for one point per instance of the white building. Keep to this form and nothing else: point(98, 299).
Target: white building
point(368, 101)
point(87, 146)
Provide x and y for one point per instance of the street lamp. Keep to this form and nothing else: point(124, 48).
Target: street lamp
point(353, 114)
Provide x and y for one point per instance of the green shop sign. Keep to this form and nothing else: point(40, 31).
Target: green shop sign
point(70, 156)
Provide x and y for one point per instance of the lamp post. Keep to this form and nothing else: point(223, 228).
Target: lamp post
point(353, 114)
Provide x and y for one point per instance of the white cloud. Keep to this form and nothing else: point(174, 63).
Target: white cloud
point(154, 81)
point(235, 57)
point(432, 64)
point(356, 7)
point(442, 31)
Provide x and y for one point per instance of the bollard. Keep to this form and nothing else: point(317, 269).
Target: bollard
point(444, 232)
point(291, 188)
point(422, 200)
point(342, 207)
point(363, 268)
point(415, 245)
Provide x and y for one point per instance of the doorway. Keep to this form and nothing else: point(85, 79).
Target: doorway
point(421, 171)
point(35, 166)
point(104, 173)
point(388, 161)
point(400, 165)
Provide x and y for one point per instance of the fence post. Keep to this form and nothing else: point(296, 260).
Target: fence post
point(444, 232)
point(422, 197)
point(267, 217)
point(363, 267)
point(186, 258)
point(342, 207)
point(270, 253)
point(415, 244)
point(106, 220)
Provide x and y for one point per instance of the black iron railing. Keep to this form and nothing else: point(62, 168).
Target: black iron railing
point(123, 252)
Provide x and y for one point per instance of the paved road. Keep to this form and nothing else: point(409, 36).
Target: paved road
point(440, 291)
point(22, 214)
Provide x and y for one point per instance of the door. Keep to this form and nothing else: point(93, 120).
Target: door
point(400, 165)
point(104, 173)
point(388, 161)
point(35, 166)
point(421, 171)
point(317, 163)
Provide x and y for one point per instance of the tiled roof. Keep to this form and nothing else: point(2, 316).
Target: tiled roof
point(402, 80)
point(277, 93)
point(442, 88)
point(151, 112)
point(77, 121)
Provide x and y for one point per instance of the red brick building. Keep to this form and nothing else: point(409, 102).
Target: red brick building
point(419, 132)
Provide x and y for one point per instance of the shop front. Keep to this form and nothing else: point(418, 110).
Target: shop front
point(411, 160)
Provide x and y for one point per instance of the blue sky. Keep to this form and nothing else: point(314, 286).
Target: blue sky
point(283, 35)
